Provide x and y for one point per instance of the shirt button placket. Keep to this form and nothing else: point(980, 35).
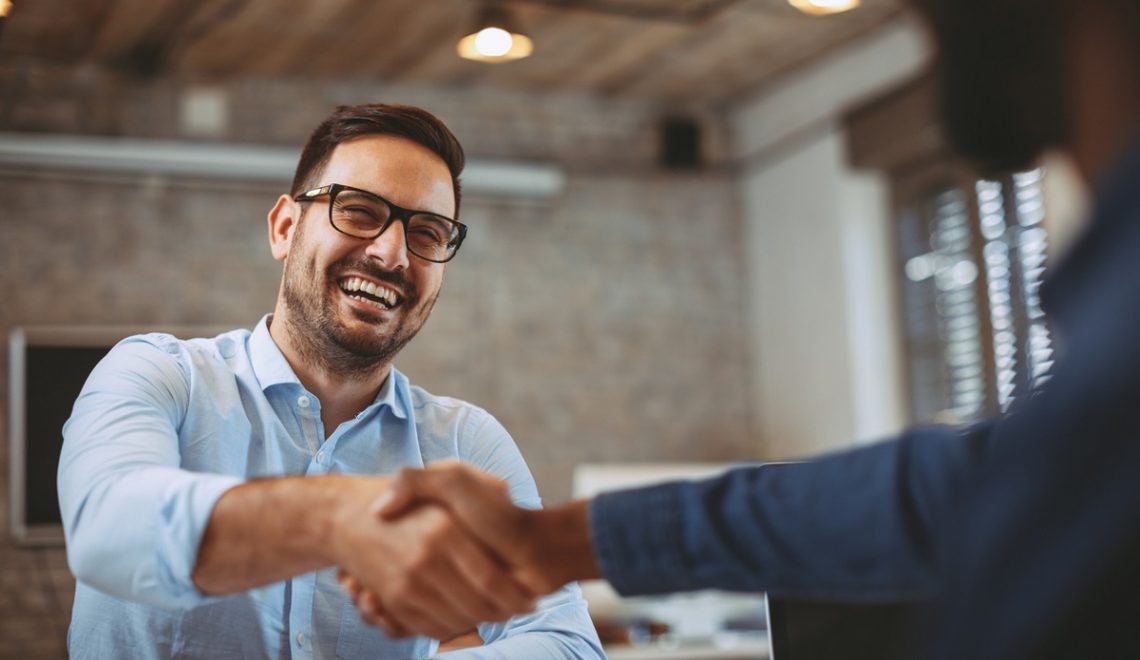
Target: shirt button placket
point(301, 616)
point(308, 419)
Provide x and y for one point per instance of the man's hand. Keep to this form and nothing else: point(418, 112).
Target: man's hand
point(544, 548)
point(421, 573)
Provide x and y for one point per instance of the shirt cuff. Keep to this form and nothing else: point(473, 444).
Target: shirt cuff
point(637, 537)
point(184, 515)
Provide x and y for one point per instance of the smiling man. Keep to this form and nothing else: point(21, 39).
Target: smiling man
point(210, 488)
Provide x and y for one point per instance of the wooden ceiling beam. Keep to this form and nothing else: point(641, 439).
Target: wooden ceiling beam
point(696, 13)
point(709, 51)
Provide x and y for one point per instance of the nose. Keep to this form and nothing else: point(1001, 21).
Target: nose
point(390, 247)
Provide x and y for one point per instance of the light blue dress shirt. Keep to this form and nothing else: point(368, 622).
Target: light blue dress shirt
point(164, 426)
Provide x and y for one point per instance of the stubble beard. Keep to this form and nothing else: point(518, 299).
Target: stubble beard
point(321, 338)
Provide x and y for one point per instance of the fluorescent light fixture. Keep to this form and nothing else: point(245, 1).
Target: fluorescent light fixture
point(824, 7)
point(243, 162)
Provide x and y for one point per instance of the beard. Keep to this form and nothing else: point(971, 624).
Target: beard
point(319, 334)
point(1003, 79)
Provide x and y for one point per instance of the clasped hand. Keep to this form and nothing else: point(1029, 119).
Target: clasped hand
point(455, 552)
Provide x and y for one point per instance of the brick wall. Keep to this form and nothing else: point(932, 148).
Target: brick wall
point(603, 325)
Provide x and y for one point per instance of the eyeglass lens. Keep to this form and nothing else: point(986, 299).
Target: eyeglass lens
point(362, 215)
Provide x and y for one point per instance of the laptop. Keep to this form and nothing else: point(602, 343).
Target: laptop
point(802, 629)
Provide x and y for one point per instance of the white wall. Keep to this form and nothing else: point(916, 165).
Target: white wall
point(799, 312)
point(822, 303)
point(1067, 203)
point(873, 316)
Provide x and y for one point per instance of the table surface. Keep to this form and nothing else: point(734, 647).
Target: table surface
point(755, 648)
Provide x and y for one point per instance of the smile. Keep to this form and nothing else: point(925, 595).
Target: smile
point(371, 293)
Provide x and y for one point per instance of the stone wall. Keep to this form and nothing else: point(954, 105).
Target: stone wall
point(603, 325)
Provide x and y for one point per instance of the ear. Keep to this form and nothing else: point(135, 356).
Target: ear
point(283, 221)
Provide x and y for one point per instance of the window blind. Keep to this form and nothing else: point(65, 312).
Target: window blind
point(972, 258)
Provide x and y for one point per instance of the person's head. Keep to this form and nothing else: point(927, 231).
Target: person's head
point(351, 299)
point(1007, 73)
point(352, 121)
point(1000, 64)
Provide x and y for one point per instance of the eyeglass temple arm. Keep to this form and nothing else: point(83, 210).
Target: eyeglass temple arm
point(312, 194)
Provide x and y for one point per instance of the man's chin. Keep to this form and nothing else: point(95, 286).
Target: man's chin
point(364, 343)
point(369, 315)
point(364, 327)
point(368, 331)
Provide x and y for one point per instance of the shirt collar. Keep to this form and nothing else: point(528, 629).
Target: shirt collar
point(269, 364)
point(271, 368)
point(394, 393)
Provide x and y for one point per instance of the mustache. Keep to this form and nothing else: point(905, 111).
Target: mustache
point(397, 278)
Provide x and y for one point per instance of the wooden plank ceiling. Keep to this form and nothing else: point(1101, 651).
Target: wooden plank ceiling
point(668, 50)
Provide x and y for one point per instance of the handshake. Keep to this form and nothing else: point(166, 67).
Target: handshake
point(456, 552)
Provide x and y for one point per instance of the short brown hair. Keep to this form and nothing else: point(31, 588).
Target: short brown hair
point(353, 121)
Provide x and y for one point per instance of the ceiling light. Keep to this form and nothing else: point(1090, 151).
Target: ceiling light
point(5, 8)
point(495, 39)
point(823, 7)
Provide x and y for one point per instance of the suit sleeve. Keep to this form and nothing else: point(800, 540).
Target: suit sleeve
point(852, 525)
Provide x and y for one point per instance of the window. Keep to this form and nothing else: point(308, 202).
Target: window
point(971, 254)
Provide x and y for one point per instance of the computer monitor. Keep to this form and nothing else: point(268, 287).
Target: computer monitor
point(804, 629)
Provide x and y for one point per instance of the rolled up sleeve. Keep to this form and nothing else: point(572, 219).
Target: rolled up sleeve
point(133, 519)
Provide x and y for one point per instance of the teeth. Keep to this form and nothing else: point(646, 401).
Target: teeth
point(382, 292)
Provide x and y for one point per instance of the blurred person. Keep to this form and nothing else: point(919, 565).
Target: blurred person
point(1021, 533)
point(210, 487)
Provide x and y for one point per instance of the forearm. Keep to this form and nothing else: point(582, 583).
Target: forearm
point(273, 529)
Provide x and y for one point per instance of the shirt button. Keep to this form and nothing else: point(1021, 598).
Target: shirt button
point(300, 639)
point(303, 401)
point(320, 457)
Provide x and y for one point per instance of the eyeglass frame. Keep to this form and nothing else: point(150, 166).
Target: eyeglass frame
point(397, 213)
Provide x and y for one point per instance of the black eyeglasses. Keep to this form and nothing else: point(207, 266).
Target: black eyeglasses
point(361, 214)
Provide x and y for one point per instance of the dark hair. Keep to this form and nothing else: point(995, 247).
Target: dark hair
point(353, 121)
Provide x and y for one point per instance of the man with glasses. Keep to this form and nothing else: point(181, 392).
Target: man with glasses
point(210, 488)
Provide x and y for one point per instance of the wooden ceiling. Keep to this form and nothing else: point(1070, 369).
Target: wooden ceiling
point(708, 51)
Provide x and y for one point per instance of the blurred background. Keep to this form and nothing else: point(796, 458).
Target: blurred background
point(702, 231)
